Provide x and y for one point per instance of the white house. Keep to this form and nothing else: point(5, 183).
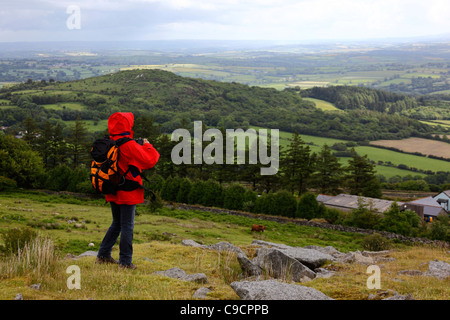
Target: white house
point(443, 199)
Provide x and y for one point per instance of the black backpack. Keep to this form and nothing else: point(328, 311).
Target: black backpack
point(105, 176)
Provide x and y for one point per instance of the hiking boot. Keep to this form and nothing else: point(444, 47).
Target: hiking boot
point(101, 260)
point(127, 266)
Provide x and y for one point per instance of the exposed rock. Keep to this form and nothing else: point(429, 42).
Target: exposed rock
point(375, 253)
point(196, 277)
point(225, 246)
point(36, 286)
point(279, 265)
point(249, 269)
point(275, 290)
point(270, 244)
point(201, 293)
point(70, 256)
point(311, 258)
point(411, 272)
point(323, 273)
point(192, 243)
point(389, 295)
point(438, 269)
point(220, 246)
point(400, 297)
point(18, 297)
point(177, 273)
point(87, 254)
point(357, 257)
point(327, 250)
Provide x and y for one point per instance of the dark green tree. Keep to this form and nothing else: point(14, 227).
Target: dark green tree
point(20, 163)
point(361, 177)
point(308, 207)
point(296, 165)
point(328, 172)
point(79, 143)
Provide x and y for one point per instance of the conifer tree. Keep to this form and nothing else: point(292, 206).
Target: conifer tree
point(328, 172)
point(297, 165)
point(361, 179)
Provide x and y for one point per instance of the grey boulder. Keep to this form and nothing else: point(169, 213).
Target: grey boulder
point(275, 290)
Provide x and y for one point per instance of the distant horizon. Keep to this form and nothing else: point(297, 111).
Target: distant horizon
point(176, 45)
point(242, 20)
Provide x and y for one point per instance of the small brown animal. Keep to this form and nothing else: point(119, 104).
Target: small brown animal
point(258, 228)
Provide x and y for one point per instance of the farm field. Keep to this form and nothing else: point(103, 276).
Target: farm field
point(374, 154)
point(323, 105)
point(423, 146)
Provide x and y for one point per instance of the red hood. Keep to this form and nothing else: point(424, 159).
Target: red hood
point(121, 122)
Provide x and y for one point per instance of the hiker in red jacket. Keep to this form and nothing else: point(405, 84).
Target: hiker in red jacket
point(133, 159)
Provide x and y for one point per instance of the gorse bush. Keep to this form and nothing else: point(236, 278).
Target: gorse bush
point(376, 242)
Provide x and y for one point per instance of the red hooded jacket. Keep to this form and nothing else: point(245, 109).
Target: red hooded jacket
point(131, 154)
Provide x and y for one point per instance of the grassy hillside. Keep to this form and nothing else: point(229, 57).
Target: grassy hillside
point(173, 99)
point(157, 247)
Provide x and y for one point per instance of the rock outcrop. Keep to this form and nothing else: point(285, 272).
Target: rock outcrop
point(275, 290)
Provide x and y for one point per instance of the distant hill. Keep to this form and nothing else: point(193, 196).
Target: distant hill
point(176, 101)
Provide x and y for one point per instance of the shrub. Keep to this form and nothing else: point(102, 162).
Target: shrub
point(170, 188)
point(183, 191)
point(308, 207)
point(7, 183)
point(376, 242)
point(363, 217)
point(281, 203)
point(58, 178)
point(285, 204)
point(234, 197)
point(402, 222)
point(15, 239)
point(212, 194)
point(155, 182)
point(196, 193)
point(332, 215)
point(155, 203)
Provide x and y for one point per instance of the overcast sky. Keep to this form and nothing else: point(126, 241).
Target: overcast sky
point(298, 20)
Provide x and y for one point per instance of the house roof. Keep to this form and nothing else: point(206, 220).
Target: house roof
point(323, 198)
point(430, 206)
point(352, 202)
point(428, 201)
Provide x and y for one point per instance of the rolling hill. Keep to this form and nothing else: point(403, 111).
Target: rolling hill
point(174, 100)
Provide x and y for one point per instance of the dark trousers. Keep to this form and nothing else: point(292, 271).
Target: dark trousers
point(123, 225)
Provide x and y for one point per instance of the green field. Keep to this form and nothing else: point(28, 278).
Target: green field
point(65, 105)
point(374, 154)
point(91, 125)
point(324, 105)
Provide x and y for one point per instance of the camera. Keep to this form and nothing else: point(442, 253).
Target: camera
point(140, 141)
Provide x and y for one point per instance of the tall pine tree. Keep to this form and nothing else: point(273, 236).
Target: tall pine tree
point(328, 172)
point(361, 179)
point(297, 165)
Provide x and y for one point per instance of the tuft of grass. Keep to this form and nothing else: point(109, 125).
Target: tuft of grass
point(35, 259)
